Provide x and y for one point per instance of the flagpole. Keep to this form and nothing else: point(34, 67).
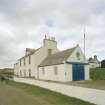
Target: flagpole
point(84, 44)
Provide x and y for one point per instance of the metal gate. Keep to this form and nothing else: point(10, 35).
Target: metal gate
point(78, 72)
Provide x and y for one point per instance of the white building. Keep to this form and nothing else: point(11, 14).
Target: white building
point(48, 63)
point(94, 62)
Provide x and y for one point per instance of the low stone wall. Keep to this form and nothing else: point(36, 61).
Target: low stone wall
point(90, 95)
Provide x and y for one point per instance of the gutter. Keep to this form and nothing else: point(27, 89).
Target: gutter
point(69, 62)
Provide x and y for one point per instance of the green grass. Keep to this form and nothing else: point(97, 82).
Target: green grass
point(97, 74)
point(51, 97)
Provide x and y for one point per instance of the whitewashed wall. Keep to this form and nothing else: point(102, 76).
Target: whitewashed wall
point(40, 55)
point(87, 72)
point(64, 70)
point(50, 75)
point(16, 68)
point(69, 72)
point(68, 69)
point(36, 59)
point(73, 57)
point(94, 65)
point(25, 68)
point(81, 59)
point(64, 73)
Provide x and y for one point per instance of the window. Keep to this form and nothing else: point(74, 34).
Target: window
point(20, 73)
point(24, 73)
point(24, 62)
point(20, 62)
point(29, 72)
point(55, 70)
point(78, 55)
point(43, 71)
point(29, 59)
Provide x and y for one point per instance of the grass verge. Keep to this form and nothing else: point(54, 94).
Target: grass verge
point(51, 97)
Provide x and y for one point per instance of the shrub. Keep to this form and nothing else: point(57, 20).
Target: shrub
point(97, 74)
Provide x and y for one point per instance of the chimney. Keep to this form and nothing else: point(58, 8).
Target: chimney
point(95, 57)
point(49, 42)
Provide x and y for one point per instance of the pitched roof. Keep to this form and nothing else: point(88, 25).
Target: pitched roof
point(57, 58)
point(32, 51)
point(92, 60)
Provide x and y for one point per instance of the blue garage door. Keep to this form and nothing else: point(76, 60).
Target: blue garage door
point(78, 72)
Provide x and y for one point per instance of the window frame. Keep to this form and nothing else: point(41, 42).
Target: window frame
point(20, 73)
point(29, 72)
point(24, 73)
point(78, 55)
point(20, 62)
point(29, 59)
point(43, 71)
point(55, 70)
point(24, 61)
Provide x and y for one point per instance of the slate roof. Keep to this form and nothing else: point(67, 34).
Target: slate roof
point(32, 51)
point(57, 58)
point(91, 60)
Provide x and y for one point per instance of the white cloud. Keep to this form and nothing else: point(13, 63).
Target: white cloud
point(23, 23)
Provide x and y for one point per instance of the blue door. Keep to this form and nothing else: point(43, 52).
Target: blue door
point(78, 72)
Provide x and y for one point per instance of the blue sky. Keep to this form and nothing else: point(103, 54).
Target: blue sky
point(23, 23)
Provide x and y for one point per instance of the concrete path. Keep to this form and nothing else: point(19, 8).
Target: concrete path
point(91, 95)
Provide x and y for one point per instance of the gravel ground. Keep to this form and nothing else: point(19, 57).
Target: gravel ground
point(96, 84)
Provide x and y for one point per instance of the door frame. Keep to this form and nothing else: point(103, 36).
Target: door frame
point(83, 63)
point(78, 72)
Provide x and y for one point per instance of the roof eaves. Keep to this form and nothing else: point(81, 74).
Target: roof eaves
point(50, 64)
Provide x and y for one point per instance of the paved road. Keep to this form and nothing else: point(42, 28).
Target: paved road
point(13, 96)
point(91, 95)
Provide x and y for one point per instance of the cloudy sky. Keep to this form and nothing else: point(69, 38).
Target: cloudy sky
point(23, 23)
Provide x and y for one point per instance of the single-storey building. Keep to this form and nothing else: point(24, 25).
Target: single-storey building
point(94, 62)
point(49, 63)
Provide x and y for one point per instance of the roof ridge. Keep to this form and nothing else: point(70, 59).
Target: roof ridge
point(64, 50)
point(69, 49)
